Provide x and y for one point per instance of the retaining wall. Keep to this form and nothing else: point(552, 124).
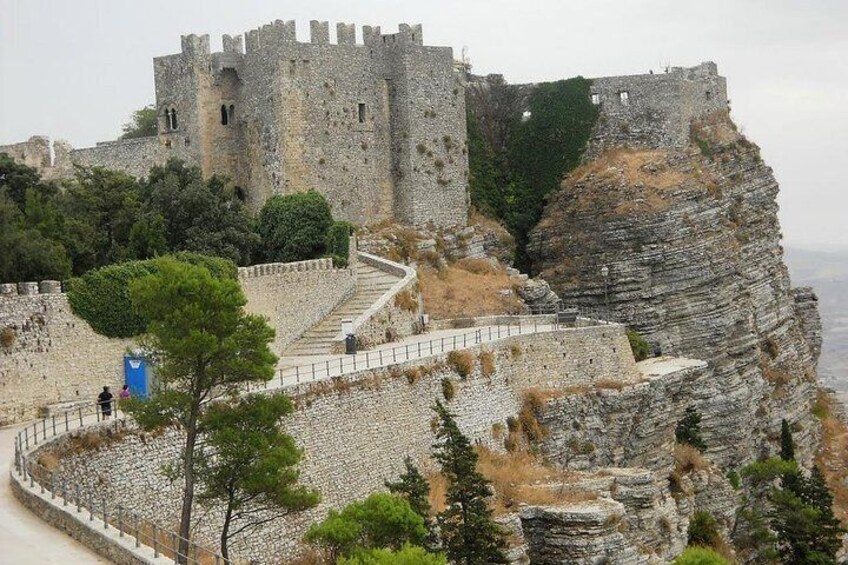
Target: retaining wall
point(356, 430)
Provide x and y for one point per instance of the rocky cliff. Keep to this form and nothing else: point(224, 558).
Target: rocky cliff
point(684, 245)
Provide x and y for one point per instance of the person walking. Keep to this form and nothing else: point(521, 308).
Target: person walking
point(104, 399)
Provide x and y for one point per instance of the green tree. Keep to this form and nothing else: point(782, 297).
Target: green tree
point(16, 179)
point(787, 444)
point(381, 521)
point(142, 124)
point(148, 237)
point(413, 487)
point(639, 345)
point(294, 227)
point(337, 242)
point(200, 216)
point(249, 465)
point(469, 534)
point(205, 345)
point(407, 555)
point(27, 254)
point(700, 556)
point(703, 530)
point(688, 430)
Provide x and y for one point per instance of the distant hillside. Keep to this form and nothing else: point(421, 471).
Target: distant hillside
point(827, 272)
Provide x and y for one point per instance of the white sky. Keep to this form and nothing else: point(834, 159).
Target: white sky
point(76, 69)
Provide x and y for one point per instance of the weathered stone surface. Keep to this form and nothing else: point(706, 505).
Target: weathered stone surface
point(690, 239)
point(537, 294)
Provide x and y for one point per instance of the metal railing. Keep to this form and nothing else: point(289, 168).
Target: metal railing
point(102, 511)
point(501, 328)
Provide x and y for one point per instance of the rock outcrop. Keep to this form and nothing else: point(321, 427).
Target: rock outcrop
point(684, 246)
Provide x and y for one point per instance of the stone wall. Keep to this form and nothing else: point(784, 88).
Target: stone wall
point(295, 296)
point(133, 156)
point(654, 110)
point(51, 355)
point(356, 430)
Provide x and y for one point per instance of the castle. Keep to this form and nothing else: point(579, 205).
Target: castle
point(377, 127)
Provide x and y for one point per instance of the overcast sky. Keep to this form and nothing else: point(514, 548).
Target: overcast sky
point(76, 69)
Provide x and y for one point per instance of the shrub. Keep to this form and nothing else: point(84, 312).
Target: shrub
point(703, 530)
point(772, 348)
point(688, 430)
point(7, 337)
point(487, 363)
point(407, 555)
point(733, 479)
point(405, 300)
point(337, 241)
point(448, 389)
point(101, 296)
point(294, 227)
point(700, 556)
point(639, 345)
point(532, 404)
point(687, 459)
point(462, 362)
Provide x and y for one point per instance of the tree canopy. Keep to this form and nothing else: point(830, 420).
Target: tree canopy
point(143, 123)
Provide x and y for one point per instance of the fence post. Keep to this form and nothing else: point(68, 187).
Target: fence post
point(419, 349)
point(137, 540)
point(297, 373)
point(54, 424)
point(64, 493)
point(281, 377)
point(341, 366)
point(367, 361)
point(35, 433)
point(77, 489)
point(407, 351)
point(90, 508)
point(67, 428)
point(120, 521)
point(44, 429)
point(313, 371)
point(463, 340)
point(80, 415)
point(394, 355)
point(105, 512)
point(155, 541)
point(328, 367)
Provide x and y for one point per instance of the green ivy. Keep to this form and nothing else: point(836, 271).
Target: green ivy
point(337, 242)
point(512, 183)
point(101, 296)
point(639, 345)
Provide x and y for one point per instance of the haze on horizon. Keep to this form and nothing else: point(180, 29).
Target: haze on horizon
point(76, 69)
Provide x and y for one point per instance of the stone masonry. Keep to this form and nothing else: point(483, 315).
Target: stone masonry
point(378, 127)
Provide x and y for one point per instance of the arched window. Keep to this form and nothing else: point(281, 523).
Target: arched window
point(173, 118)
point(167, 119)
point(225, 119)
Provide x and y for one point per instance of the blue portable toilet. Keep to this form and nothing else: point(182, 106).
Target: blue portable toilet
point(136, 376)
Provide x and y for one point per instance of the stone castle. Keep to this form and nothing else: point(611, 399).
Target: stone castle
point(378, 127)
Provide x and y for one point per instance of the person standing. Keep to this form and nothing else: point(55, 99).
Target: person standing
point(104, 399)
point(125, 393)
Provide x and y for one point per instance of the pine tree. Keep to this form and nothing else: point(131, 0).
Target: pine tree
point(689, 430)
point(414, 488)
point(787, 444)
point(469, 535)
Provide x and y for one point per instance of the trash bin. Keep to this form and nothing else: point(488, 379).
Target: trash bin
point(350, 344)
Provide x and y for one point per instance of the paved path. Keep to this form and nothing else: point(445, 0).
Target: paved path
point(24, 538)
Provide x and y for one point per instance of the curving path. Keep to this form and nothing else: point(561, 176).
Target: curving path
point(24, 537)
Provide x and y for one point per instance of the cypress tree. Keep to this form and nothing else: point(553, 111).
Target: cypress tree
point(787, 444)
point(412, 486)
point(469, 534)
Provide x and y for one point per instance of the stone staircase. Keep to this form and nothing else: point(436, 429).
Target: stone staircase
point(371, 284)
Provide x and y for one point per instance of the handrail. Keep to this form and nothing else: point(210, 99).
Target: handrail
point(344, 364)
point(164, 543)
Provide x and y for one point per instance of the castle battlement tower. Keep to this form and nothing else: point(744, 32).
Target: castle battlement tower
point(378, 127)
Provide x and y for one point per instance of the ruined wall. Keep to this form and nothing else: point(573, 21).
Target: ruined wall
point(654, 110)
point(50, 355)
point(357, 430)
point(295, 296)
point(132, 156)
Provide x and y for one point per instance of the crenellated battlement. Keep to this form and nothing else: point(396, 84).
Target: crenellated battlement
point(280, 33)
point(13, 290)
point(269, 269)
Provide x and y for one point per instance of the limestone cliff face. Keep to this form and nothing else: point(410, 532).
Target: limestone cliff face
point(684, 246)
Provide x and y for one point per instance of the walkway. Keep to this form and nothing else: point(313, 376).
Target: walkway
point(24, 538)
point(371, 284)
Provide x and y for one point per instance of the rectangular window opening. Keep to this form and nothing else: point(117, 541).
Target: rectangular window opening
point(596, 99)
point(361, 113)
point(625, 97)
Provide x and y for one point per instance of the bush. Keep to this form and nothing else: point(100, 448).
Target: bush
point(700, 556)
point(688, 430)
point(407, 555)
point(639, 345)
point(294, 227)
point(101, 297)
point(462, 362)
point(703, 530)
point(733, 479)
point(337, 241)
point(448, 389)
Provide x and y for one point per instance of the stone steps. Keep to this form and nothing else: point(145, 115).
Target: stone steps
point(371, 284)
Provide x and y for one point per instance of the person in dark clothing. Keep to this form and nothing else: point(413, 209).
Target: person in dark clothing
point(104, 399)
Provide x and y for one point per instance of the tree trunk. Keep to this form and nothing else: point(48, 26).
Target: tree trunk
point(225, 531)
point(188, 489)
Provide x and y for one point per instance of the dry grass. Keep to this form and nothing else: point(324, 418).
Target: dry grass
point(528, 416)
point(311, 556)
point(462, 362)
point(406, 300)
point(688, 459)
point(487, 363)
point(456, 292)
point(49, 461)
point(448, 389)
point(832, 458)
point(8, 335)
point(516, 478)
point(610, 384)
point(438, 492)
